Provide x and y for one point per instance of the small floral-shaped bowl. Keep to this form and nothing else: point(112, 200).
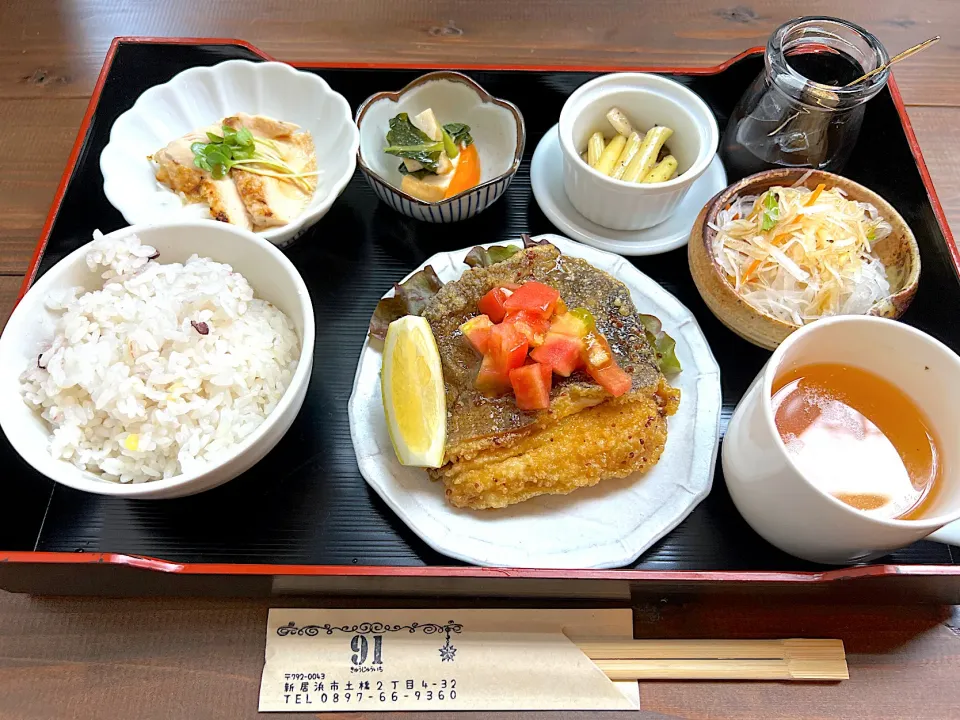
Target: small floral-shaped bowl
point(496, 125)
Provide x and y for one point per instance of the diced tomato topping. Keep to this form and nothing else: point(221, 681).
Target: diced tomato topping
point(477, 331)
point(534, 297)
point(491, 304)
point(507, 346)
point(516, 319)
point(492, 380)
point(614, 380)
point(596, 351)
point(602, 366)
point(560, 352)
point(570, 325)
point(531, 325)
point(531, 386)
point(506, 350)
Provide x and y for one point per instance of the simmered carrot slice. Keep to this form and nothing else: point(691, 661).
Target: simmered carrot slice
point(467, 174)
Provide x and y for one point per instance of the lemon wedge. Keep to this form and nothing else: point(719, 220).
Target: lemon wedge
point(414, 401)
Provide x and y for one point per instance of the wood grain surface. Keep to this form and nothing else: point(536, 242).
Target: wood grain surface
point(172, 659)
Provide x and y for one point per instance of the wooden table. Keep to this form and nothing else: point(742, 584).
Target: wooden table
point(171, 659)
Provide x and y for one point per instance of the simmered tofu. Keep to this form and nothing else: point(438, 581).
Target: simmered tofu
point(433, 155)
point(432, 187)
point(427, 123)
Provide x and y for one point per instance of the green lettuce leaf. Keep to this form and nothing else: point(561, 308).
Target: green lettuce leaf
point(485, 257)
point(529, 242)
point(663, 345)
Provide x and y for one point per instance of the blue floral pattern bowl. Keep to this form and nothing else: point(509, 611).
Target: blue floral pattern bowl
point(496, 125)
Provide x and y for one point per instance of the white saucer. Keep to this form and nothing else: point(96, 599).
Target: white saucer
point(546, 177)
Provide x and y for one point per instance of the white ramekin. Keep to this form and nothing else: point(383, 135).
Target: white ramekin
point(647, 100)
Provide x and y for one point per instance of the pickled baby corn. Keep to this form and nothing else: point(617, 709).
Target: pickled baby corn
point(631, 155)
point(662, 171)
point(610, 154)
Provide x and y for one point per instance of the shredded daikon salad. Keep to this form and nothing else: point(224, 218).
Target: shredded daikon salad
point(798, 254)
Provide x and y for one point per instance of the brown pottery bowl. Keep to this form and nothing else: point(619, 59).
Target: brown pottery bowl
point(898, 252)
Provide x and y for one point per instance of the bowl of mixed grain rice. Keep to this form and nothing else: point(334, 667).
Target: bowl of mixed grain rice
point(157, 361)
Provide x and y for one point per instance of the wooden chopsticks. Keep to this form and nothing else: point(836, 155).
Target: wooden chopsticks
point(794, 659)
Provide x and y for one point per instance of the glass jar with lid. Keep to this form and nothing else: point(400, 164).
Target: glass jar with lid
point(800, 112)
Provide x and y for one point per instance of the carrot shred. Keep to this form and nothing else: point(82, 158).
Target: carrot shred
point(815, 194)
point(748, 272)
point(752, 267)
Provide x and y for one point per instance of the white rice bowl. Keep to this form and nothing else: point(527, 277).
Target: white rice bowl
point(163, 371)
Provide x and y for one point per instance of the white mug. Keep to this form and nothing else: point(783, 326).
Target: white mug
point(780, 503)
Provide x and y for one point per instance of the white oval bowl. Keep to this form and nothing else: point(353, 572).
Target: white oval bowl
point(203, 95)
point(30, 328)
point(647, 100)
point(496, 125)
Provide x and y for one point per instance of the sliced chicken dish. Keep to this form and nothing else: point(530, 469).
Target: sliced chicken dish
point(226, 203)
point(271, 201)
point(251, 170)
point(175, 167)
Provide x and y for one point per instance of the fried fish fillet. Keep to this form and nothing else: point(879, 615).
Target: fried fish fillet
point(497, 454)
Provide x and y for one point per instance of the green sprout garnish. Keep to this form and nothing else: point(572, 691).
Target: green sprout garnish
point(771, 213)
point(239, 148)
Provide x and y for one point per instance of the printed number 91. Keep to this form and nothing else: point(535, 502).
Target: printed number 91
point(361, 647)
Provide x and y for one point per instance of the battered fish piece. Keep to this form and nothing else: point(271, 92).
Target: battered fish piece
point(497, 454)
point(611, 440)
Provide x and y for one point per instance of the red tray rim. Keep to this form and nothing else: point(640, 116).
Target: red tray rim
point(160, 565)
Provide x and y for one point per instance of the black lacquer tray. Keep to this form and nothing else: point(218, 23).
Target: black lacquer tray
point(304, 519)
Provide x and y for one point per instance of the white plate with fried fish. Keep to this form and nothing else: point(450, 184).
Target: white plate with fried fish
point(603, 519)
point(284, 108)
